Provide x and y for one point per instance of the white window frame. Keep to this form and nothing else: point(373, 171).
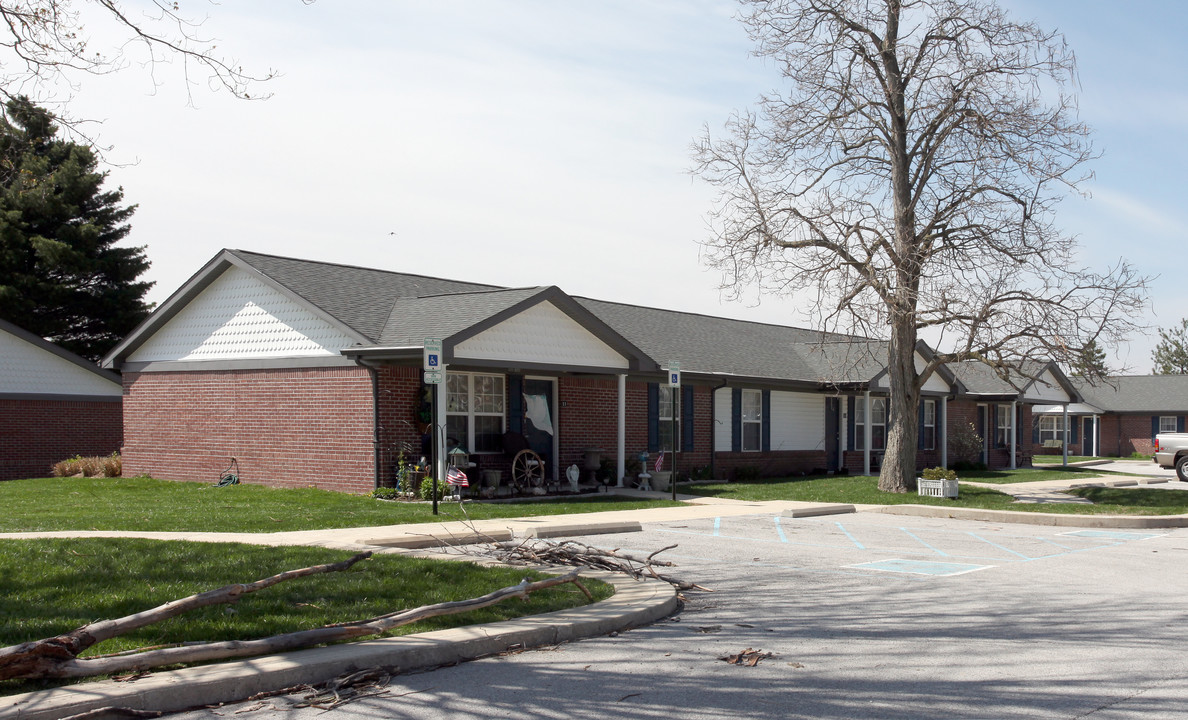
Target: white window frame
point(665, 409)
point(1002, 435)
point(878, 419)
point(1168, 423)
point(753, 420)
point(470, 413)
point(929, 423)
point(1055, 429)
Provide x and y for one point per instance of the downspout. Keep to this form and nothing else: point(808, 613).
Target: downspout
point(375, 418)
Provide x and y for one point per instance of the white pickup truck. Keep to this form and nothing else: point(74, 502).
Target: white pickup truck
point(1171, 450)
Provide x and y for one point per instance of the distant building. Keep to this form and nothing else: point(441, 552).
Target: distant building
point(53, 405)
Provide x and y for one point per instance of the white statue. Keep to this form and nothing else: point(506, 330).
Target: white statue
point(574, 475)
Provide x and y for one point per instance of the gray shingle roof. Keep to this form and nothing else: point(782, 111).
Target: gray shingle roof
point(361, 298)
point(414, 319)
point(1139, 393)
point(706, 344)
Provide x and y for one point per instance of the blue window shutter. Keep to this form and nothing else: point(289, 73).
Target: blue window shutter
point(1180, 424)
point(515, 403)
point(920, 427)
point(980, 417)
point(1035, 429)
point(736, 420)
point(1154, 427)
point(766, 423)
point(850, 405)
point(687, 419)
point(653, 417)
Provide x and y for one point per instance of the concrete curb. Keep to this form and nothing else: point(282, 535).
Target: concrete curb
point(634, 603)
point(819, 511)
point(1035, 518)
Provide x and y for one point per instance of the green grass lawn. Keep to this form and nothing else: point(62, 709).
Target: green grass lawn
point(864, 490)
point(52, 586)
point(1059, 459)
point(146, 504)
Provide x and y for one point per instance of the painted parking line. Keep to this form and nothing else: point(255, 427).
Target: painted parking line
point(920, 567)
point(1113, 534)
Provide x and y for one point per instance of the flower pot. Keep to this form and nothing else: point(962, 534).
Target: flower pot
point(661, 479)
point(492, 478)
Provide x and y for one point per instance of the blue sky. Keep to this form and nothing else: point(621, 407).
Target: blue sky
point(539, 142)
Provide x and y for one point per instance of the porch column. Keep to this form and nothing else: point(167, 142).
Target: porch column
point(1066, 435)
point(944, 431)
point(621, 451)
point(866, 441)
point(1014, 432)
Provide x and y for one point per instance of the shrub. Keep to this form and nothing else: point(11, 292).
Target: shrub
point(965, 445)
point(426, 491)
point(939, 473)
point(110, 466)
point(746, 473)
point(387, 493)
point(68, 468)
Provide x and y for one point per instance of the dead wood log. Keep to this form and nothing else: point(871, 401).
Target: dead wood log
point(43, 658)
point(61, 665)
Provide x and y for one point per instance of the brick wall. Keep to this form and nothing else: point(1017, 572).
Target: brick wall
point(35, 434)
point(1123, 435)
point(287, 428)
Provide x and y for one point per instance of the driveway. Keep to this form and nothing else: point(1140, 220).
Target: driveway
point(864, 616)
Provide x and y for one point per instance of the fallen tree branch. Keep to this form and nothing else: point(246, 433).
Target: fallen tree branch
point(575, 554)
point(42, 658)
point(52, 657)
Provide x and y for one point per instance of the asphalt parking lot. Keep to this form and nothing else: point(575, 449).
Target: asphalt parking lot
point(864, 616)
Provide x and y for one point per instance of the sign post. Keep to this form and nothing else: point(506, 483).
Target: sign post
point(435, 376)
point(674, 383)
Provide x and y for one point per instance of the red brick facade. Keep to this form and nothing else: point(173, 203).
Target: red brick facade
point(36, 433)
point(303, 427)
point(287, 428)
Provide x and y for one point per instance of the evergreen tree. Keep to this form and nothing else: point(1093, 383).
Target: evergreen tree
point(1171, 354)
point(1091, 363)
point(61, 275)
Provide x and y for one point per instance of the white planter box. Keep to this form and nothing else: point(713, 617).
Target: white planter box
point(936, 488)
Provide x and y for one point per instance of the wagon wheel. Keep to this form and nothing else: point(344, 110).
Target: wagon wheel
point(527, 470)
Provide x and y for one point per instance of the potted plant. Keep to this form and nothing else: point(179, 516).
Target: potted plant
point(937, 482)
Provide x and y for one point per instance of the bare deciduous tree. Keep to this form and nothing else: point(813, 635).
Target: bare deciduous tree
point(47, 42)
point(907, 176)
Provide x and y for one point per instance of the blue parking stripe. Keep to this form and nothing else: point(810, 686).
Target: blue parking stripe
point(717, 526)
point(1004, 548)
point(913, 536)
point(853, 539)
point(921, 567)
point(780, 530)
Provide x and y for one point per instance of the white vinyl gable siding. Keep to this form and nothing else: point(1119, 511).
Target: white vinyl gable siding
point(935, 382)
point(723, 407)
point(1047, 390)
point(239, 316)
point(29, 369)
point(797, 421)
point(541, 334)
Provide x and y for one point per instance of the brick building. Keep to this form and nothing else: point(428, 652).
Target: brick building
point(1119, 417)
point(53, 405)
point(310, 373)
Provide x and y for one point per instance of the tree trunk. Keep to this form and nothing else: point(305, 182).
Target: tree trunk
point(899, 462)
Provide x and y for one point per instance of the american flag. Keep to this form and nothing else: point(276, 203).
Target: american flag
point(660, 462)
point(457, 478)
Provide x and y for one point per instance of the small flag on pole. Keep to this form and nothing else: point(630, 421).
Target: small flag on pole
point(660, 461)
point(456, 478)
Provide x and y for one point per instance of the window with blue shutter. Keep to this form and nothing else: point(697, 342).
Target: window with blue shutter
point(687, 443)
